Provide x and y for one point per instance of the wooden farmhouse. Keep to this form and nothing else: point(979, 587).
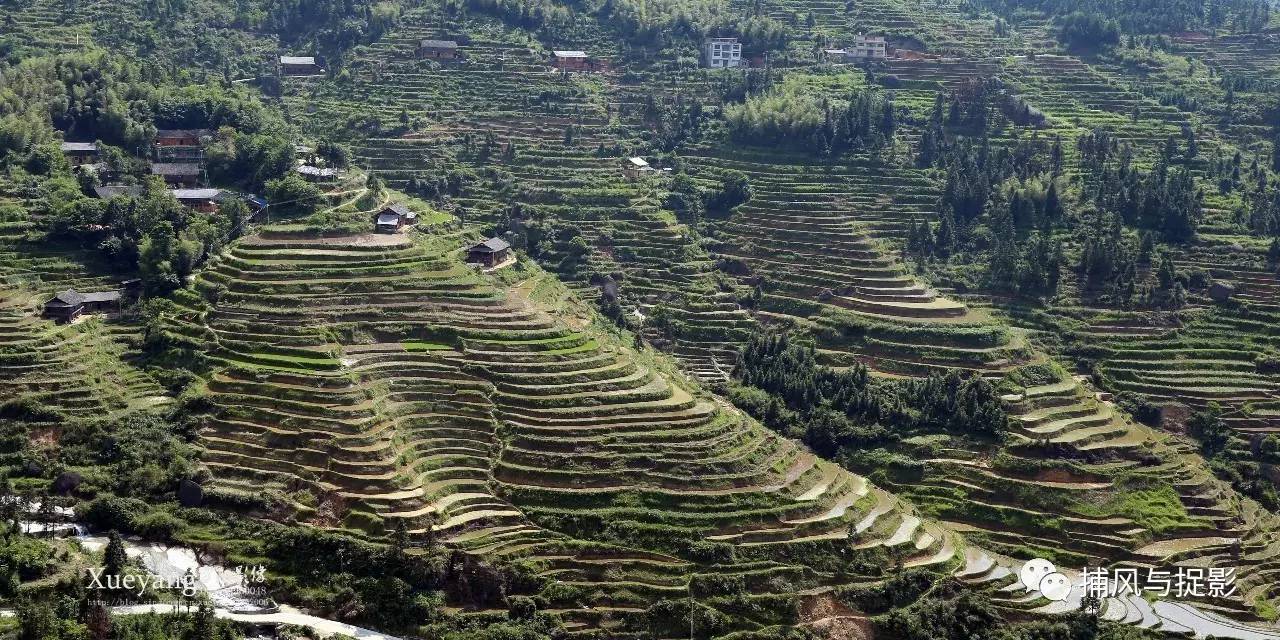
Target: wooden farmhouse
point(437, 50)
point(79, 153)
point(202, 200)
point(68, 305)
point(300, 66)
point(182, 137)
point(490, 253)
point(571, 60)
point(181, 145)
point(635, 166)
point(178, 174)
point(392, 217)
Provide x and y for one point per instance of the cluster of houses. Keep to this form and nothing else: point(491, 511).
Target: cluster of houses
point(178, 160)
point(202, 199)
point(490, 254)
point(717, 53)
point(427, 49)
point(494, 252)
point(726, 53)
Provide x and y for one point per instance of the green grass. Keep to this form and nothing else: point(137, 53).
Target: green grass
point(419, 345)
point(1148, 503)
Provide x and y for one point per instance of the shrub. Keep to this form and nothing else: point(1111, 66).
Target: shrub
point(159, 525)
point(1081, 31)
point(1267, 363)
point(110, 512)
point(292, 193)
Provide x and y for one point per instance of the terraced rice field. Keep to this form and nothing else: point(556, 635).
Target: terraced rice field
point(819, 238)
point(808, 235)
point(82, 370)
point(506, 91)
point(369, 379)
point(1059, 491)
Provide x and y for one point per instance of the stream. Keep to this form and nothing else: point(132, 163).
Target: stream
point(232, 601)
point(226, 587)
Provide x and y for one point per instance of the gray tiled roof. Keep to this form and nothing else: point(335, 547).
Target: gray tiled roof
point(492, 245)
point(175, 169)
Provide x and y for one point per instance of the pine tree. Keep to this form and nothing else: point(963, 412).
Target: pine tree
point(45, 513)
point(36, 619)
point(887, 121)
point(1052, 205)
point(1275, 154)
point(1004, 258)
point(429, 528)
point(1056, 156)
point(399, 538)
point(1166, 273)
point(115, 557)
point(945, 240)
point(203, 624)
point(1178, 298)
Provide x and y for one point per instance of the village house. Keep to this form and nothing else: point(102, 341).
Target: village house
point(490, 253)
point(202, 200)
point(312, 173)
point(722, 53)
point(571, 60)
point(861, 48)
point(635, 166)
point(437, 50)
point(392, 217)
point(299, 66)
point(867, 48)
point(78, 153)
point(181, 145)
point(68, 305)
point(182, 137)
point(182, 174)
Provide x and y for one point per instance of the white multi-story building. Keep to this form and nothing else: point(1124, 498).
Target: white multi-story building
point(719, 53)
point(866, 48)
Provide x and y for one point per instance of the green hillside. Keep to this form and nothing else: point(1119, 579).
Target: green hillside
point(857, 341)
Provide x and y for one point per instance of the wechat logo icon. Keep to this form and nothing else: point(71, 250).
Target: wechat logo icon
point(1040, 575)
